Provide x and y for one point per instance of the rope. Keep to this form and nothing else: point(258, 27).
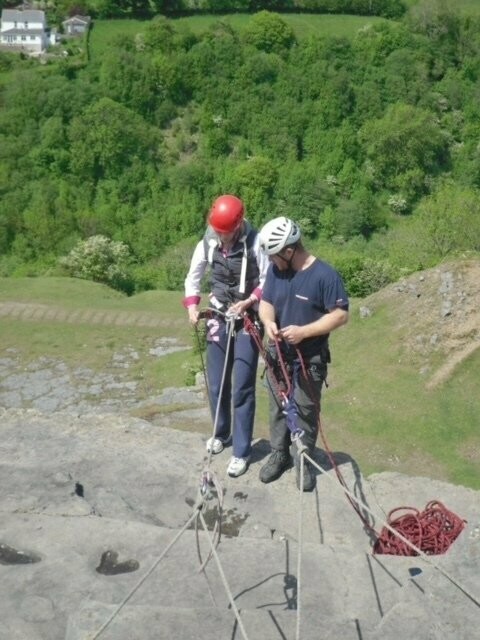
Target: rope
point(231, 323)
point(300, 540)
point(432, 530)
point(224, 580)
point(142, 580)
point(202, 363)
point(209, 479)
point(418, 552)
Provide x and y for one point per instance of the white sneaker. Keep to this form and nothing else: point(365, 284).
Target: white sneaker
point(215, 445)
point(237, 466)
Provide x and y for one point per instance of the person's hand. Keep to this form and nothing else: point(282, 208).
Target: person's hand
point(271, 330)
point(193, 314)
point(239, 307)
point(293, 334)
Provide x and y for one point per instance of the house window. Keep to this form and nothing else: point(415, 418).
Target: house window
point(15, 24)
point(32, 37)
point(25, 24)
point(24, 37)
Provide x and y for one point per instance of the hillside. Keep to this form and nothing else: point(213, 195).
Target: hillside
point(436, 315)
point(363, 129)
point(403, 383)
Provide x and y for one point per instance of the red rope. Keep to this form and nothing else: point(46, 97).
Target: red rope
point(432, 531)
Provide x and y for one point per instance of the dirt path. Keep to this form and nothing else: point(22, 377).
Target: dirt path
point(443, 373)
point(42, 312)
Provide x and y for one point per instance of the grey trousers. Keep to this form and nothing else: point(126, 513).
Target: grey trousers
point(306, 398)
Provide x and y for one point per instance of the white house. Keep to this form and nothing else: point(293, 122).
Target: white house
point(24, 29)
point(76, 25)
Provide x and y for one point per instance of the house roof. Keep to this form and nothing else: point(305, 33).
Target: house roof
point(29, 15)
point(22, 32)
point(77, 19)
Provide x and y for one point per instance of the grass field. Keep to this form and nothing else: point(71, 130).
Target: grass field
point(303, 24)
point(376, 409)
point(342, 26)
point(462, 6)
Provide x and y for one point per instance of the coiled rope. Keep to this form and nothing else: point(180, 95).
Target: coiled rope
point(432, 530)
point(416, 550)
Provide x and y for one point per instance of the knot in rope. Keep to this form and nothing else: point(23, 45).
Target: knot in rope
point(432, 531)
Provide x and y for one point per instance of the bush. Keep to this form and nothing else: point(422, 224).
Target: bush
point(102, 260)
point(173, 266)
point(363, 276)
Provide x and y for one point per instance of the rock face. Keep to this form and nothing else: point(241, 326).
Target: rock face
point(97, 540)
point(436, 312)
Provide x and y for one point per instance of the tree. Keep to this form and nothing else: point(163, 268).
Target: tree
point(402, 148)
point(159, 34)
point(254, 181)
point(269, 32)
point(439, 21)
point(107, 138)
point(449, 220)
point(129, 78)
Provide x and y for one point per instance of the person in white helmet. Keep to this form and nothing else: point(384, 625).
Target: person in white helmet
point(303, 301)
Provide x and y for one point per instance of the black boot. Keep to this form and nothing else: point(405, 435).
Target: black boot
point(277, 463)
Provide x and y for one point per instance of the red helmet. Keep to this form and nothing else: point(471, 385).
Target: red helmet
point(226, 214)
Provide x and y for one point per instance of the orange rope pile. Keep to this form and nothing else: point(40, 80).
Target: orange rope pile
point(432, 531)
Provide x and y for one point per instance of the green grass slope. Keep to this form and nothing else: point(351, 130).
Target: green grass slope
point(381, 406)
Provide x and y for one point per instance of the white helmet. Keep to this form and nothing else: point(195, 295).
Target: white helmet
point(277, 234)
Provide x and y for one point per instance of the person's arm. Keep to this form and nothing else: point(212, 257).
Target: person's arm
point(266, 312)
point(193, 280)
point(326, 324)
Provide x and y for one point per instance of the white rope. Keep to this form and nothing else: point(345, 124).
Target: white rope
point(418, 551)
point(209, 478)
point(197, 513)
point(224, 579)
point(142, 580)
point(230, 321)
point(299, 554)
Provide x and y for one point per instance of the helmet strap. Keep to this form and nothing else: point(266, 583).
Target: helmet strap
point(288, 260)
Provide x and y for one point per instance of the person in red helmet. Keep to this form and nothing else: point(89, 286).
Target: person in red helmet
point(230, 249)
point(226, 214)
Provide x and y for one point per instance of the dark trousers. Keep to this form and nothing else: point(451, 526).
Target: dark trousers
point(239, 370)
point(306, 399)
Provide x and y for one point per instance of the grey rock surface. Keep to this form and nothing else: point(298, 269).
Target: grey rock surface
point(104, 491)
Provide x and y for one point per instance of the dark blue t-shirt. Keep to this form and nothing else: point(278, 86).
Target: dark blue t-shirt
point(304, 297)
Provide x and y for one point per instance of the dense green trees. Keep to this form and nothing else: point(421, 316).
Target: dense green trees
point(144, 8)
point(371, 143)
